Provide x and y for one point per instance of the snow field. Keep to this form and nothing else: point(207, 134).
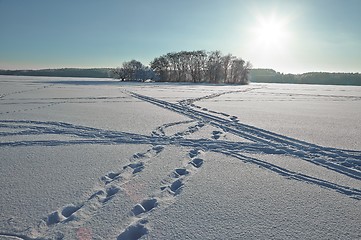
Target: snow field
point(99, 159)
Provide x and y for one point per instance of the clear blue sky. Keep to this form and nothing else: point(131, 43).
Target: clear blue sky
point(288, 36)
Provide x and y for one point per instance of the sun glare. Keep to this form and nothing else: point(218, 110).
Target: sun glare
point(270, 41)
point(270, 33)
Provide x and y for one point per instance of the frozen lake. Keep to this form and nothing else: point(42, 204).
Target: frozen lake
point(101, 159)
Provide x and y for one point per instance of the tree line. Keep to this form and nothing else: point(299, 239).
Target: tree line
point(255, 75)
point(322, 78)
point(62, 72)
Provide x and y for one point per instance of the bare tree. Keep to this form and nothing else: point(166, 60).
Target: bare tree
point(245, 74)
point(132, 71)
point(161, 67)
point(240, 71)
point(237, 70)
point(214, 66)
point(226, 64)
point(199, 66)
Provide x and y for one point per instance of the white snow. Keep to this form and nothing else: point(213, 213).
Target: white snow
point(103, 159)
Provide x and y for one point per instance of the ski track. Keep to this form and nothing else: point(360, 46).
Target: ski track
point(342, 161)
point(345, 162)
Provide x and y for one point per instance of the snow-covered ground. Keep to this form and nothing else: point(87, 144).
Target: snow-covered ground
point(100, 159)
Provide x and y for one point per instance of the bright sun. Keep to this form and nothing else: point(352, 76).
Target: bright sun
point(270, 33)
point(270, 40)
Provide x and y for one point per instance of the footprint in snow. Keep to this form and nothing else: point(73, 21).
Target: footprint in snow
point(197, 162)
point(158, 149)
point(176, 186)
point(216, 134)
point(104, 196)
point(134, 232)
point(194, 152)
point(145, 206)
point(139, 155)
point(200, 124)
point(69, 210)
point(66, 214)
point(110, 192)
point(179, 172)
point(53, 218)
point(110, 177)
point(192, 129)
point(137, 167)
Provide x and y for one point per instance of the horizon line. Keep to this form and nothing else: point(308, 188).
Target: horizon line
point(260, 68)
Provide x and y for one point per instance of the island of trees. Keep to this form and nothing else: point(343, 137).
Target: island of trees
point(188, 66)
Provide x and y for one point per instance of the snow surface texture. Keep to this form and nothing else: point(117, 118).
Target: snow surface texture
point(100, 159)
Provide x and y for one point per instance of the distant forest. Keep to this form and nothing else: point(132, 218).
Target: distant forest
point(323, 78)
point(255, 75)
point(62, 72)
